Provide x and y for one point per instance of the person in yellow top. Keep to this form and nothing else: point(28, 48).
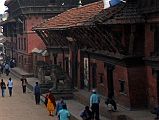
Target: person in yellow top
point(51, 104)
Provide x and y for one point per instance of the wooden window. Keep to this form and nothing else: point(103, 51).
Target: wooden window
point(16, 44)
point(19, 59)
point(25, 60)
point(60, 64)
point(122, 86)
point(24, 23)
point(55, 58)
point(19, 42)
point(101, 77)
point(156, 41)
point(24, 43)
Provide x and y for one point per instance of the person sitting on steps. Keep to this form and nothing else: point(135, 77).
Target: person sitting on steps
point(110, 102)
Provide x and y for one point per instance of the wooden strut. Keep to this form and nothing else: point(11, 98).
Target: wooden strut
point(103, 42)
point(88, 37)
point(99, 39)
point(76, 36)
point(94, 38)
point(84, 37)
point(42, 36)
point(108, 41)
point(48, 38)
point(55, 37)
point(117, 41)
point(62, 37)
point(80, 37)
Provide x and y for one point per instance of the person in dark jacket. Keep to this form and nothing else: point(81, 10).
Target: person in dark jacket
point(157, 113)
point(59, 105)
point(3, 87)
point(86, 114)
point(37, 93)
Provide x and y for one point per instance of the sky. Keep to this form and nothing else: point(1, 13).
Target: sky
point(2, 7)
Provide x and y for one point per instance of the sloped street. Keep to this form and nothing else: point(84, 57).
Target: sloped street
point(21, 106)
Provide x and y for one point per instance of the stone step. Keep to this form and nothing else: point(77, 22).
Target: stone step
point(15, 72)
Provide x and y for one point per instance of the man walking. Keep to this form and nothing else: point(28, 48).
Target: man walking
point(10, 86)
point(37, 93)
point(24, 83)
point(7, 69)
point(94, 103)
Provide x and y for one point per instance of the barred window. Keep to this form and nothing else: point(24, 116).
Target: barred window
point(122, 86)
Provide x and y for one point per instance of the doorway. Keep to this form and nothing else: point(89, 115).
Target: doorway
point(94, 81)
point(110, 69)
point(157, 78)
point(86, 73)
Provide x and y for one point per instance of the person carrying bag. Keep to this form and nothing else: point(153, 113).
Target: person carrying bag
point(3, 87)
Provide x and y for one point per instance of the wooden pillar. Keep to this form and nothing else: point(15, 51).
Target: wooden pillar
point(132, 39)
point(73, 61)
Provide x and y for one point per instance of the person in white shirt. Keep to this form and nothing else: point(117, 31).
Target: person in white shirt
point(10, 86)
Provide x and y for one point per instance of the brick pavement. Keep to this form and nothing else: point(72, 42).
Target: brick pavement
point(21, 106)
point(73, 107)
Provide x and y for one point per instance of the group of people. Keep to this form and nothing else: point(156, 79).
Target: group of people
point(93, 113)
point(9, 85)
point(59, 108)
point(5, 68)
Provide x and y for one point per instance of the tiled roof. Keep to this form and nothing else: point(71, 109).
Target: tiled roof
point(94, 13)
point(127, 15)
point(74, 17)
point(108, 13)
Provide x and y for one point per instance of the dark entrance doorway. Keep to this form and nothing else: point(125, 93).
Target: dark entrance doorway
point(94, 82)
point(157, 78)
point(110, 69)
point(67, 65)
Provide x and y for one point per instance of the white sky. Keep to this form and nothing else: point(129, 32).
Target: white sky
point(2, 7)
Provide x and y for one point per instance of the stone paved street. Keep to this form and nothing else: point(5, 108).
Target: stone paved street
point(21, 106)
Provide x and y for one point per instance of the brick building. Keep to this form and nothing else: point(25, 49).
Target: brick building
point(114, 50)
point(22, 16)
